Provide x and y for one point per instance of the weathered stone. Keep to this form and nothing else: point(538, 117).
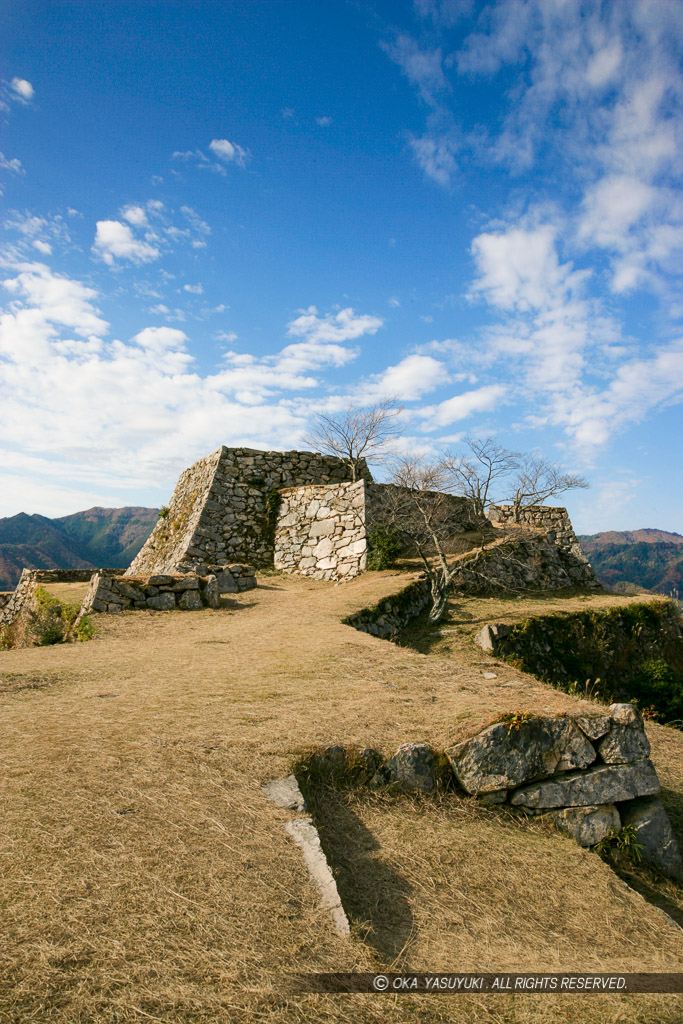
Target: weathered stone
point(186, 583)
point(190, 600)
point(587, 825)
point(626, 740)
point(227, 584)
point(285, 793)
point(485, 639)
point(160, 580)
point(498, 796)
point(503, 757)
point(413, 768)
point(654, 833)
point(161, 602)
point(594, 726)
point(210, 593)
point(600, 784)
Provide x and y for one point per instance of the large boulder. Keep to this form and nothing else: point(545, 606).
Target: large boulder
point(412, 768)
point(162, 602)
point(507, 755)
point(587, 825)
point(654, 833)
point(601, 784)
point(626, 741)
point(594, 726)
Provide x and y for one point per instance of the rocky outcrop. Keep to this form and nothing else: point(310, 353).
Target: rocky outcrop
point(556, 527)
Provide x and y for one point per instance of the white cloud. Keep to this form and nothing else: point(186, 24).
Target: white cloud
point(422, 67)
point(394, 302)
point(22, 90)
point(459, 407)
point(407, 381)
point(435, 153)
point(115, 240)
point(56, 299)
point(193, 289)
point(334, 327)
point(13, 164)
point(229, 152)
point(323, 122)
point(134, 215)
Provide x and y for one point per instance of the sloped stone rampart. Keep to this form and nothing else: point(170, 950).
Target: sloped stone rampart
point(388, 617)
point(321, 531)
point(219, 511)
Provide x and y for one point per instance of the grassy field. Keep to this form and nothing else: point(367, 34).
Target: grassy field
point(144, 876)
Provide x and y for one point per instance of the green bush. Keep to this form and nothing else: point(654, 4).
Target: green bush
point(51, 621)
point(384, 547)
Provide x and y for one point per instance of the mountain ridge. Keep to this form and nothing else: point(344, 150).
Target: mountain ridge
point(91, 539)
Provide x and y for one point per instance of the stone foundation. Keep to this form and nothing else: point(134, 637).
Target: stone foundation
point(321, 531)
point(165, 591)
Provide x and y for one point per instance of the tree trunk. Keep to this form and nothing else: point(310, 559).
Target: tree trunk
point(441, 591)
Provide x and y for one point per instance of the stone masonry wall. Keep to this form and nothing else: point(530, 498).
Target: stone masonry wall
point(219, 511)
point(555, 523)
point(320, 530)
point(164, 592)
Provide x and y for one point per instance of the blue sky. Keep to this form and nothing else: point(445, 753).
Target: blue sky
point(221, 218)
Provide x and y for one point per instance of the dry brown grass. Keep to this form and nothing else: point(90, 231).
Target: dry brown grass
point(145, 876)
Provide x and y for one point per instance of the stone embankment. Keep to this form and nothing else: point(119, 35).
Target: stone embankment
point(165, 591)
point(387, 618)
point(567, 564)
point(587, 774)
point(321, 530)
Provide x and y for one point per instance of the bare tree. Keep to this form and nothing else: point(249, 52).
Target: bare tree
point(417, 507)
point(475, 475)
point(536, 480)
point(356, 434)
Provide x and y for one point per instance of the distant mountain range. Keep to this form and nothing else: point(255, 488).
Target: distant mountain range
point(98, 538)
point(632, 560)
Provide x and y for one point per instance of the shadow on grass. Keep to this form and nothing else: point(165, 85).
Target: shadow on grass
point(373, 895)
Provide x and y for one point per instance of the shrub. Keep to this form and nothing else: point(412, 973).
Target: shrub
point(51, 621)
point(384, 547)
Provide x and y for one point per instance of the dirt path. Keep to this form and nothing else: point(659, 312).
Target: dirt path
point(144, 875)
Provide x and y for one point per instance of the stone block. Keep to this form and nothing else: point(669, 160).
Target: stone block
point(227, 584)
point(594, 726)
point(504, 757)
point(162, 602)
point(209, 588)
point(412, 768)
point(587, 825)
point(626, 741)
point(600, 784)
point(160, 580)
point(654, 833)
point(190, 600)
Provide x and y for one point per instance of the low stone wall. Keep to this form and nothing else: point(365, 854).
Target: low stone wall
point(320, 531)
point(391, 614)
point(32, 578)
point(165, 592)
point(587, 774)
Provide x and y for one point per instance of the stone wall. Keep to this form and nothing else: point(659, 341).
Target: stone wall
point(555, 524)
point(391, 614)
point(32, 578)
point(220, 511)
point(523, 561)
point(5, 597)
point(320, 530)
point(165, 592)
